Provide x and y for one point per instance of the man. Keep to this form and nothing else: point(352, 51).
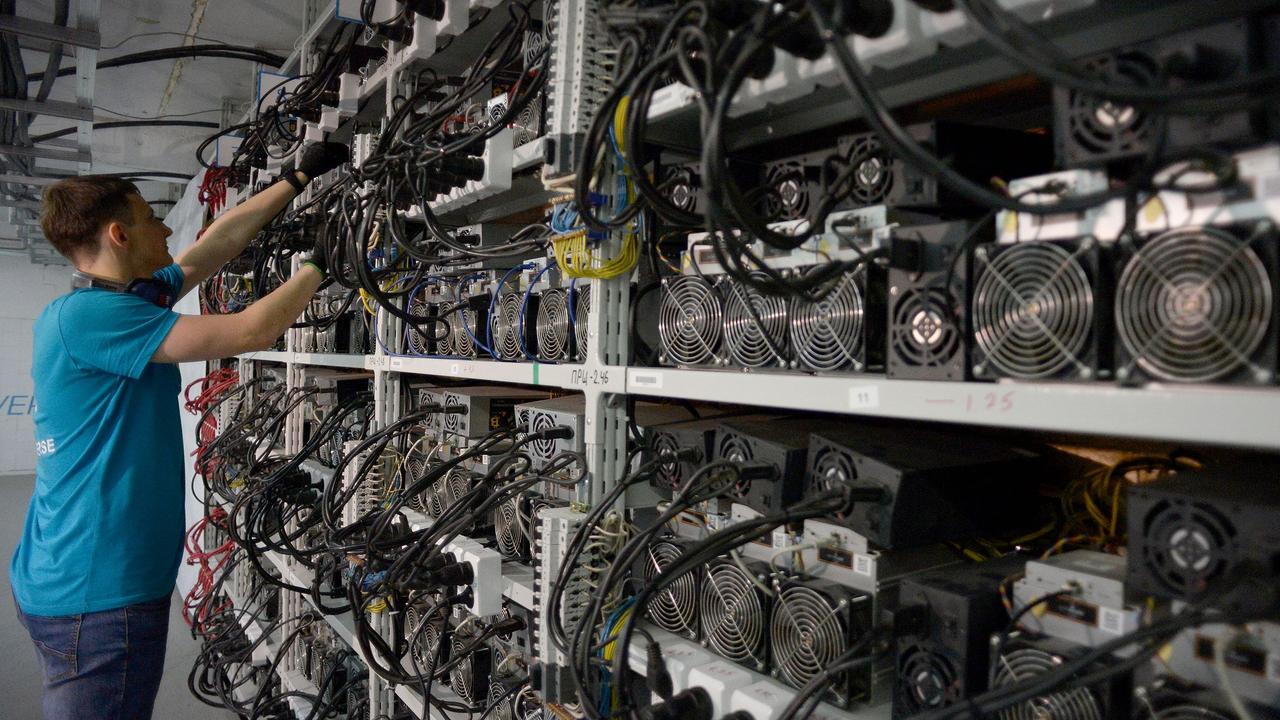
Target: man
point(102, 543)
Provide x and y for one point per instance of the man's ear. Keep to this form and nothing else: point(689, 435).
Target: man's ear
point(116, 235)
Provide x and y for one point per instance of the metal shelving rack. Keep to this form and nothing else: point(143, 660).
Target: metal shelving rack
point(1205, 414)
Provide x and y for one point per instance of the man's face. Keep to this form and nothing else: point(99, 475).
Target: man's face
point(147, 235)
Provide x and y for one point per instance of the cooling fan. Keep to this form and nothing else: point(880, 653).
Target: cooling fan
point(1091, 130)
point(1034, 310)
point(787, 190)
point(457, 483)
point(1096, 129)
point(444, 328)
point(829, 334)
point(581, 314)
point(926, 680)
point(421, 640)
point(872, 177)
point(734, 612)
point(1023, 658)
point(676, 608)
point(813, 624)
point(670, 474)
point(924, 335)
point(470, 677)
point(755, 325)
point(690, 322)
point(527, 125)
point(462, 332)
point(508, 328)
point(926, 320)
point(554, 329)
point(511, 520)
point(832, 468)
point(415, 466)
point(418, 341)
point(682, 186)
point(542, 449)
point(1197, 304)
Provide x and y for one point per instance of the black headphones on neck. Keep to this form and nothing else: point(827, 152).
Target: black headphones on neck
point(154, 291)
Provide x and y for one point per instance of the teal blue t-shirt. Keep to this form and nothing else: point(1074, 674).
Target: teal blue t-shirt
point(105, 525)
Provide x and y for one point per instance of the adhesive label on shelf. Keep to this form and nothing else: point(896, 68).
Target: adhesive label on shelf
point(648, 380)
point(864, 397)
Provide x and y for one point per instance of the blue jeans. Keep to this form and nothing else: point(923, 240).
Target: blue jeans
point(101, 665)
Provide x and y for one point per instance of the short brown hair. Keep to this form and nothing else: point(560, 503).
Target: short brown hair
point(77, 208)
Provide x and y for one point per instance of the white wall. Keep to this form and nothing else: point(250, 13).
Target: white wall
point(25, 289)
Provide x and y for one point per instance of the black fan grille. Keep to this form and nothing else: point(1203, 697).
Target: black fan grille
point(833, 469)
point(734, 615)
point(1020, 664)
point(872, 177)
point(689, 321)
point(581, 311)
point(1106, 129)
point(681, 187)
point(733, 447)
point(787, 191)
point(827, 334)
point(554, 330)
point(670, 473)
point(759, 340)
point(1032, 310)
point(675, 609)
point(926, 680)
point(1187, 545)
point(1192, 305)
point(924, 330)
point(809, 632)
point(506, 327)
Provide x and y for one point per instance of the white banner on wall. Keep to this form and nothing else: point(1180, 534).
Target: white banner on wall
point(27, 289)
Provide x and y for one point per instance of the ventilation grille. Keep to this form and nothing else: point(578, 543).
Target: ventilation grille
point(1194, 305)
point(829, 334)
point(734, 615)
point(810, 632)
point(676, 608)
point(1100, 129)
point(507, 327)
point(581, 313)
point(690, 321)
point(926, 680)
point(554, 329)
point(1187, 546)
point(755, 326)
point(1033, 311)
point(1018, 665)
point(924, 331)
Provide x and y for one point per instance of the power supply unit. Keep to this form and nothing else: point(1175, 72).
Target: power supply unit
point(1094, 613)
point(813, 624)
point(568, 411)
point(928, 323)
point(488, 408)
point(1041, 310)
point(1198, 304)
point(1251, 658)
point(937, 485)
point(682, 436)
point(772, 456)
point(1200, 532)
point(942, 632)
point(1025, 656)
point(1090, 131)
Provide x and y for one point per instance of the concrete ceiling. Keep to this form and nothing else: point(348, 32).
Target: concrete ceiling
point(189, 89)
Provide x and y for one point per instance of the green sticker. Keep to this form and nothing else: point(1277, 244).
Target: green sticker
point(535, 374)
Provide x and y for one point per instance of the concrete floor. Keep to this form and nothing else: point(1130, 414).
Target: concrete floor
point(20, 682)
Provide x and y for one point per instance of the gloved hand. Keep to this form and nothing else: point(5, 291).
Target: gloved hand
point(318, 256)
point(319, 158)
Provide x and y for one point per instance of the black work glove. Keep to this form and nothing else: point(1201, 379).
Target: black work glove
point(318, 255)
point(319, 158)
